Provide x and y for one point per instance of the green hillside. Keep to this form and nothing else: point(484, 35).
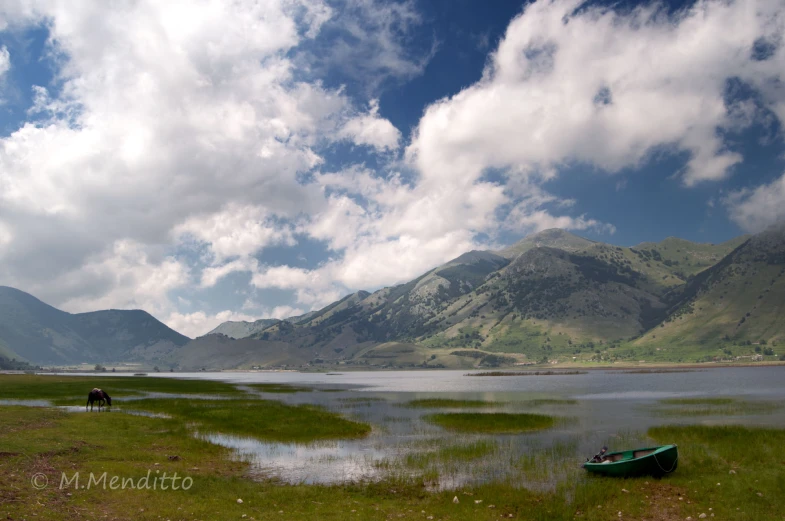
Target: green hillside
point(732, 309)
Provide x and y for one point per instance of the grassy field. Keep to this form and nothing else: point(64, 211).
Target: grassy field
point(736, 473)
point(719, 406)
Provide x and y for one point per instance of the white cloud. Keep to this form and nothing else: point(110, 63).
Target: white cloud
point(199, 323)
point(371, 130)
point(756, 209)
point(604, 88)
point(236, 230)
point(173, 118)
point(137, 280)
point(5, 61)
point(372, 42)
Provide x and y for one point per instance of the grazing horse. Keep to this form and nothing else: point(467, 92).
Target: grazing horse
point(97, 395)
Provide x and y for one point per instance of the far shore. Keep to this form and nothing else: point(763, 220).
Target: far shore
point(346, 369)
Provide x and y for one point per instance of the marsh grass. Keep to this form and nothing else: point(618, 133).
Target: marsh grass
point(498, 423)
point(263, 419)
point(51, 441)
point(698, 401)
point(451, 454)
point(737, 472)
point(446, 403)
point(279, 388)
point(719, 406)
point(537, 402)
point(74, 389)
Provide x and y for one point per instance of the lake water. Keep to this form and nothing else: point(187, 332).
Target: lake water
point(613, 408)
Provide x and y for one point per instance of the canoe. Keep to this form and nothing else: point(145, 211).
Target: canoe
point(655, 461)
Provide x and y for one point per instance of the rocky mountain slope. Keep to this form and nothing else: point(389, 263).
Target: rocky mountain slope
point(553, 295)
point(242, 328)
point(41, 334)
point(734, 307)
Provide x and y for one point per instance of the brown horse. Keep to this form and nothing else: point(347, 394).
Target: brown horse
point(97, 395)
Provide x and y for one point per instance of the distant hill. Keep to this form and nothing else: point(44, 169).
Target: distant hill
point(243, 329)
point(38, 333)
point(551, 296)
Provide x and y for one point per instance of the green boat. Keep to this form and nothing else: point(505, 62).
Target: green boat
point(655, 461)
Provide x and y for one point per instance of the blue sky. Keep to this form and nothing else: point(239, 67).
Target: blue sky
point(208, 162)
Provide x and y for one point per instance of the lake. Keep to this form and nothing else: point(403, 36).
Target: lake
point(602, 407)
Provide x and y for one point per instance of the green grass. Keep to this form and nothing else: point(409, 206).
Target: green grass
point(698, 401)
point(550, 401)
point(279, 388)
point(446, 403)
point(65, 389)
point(746, 462)
point(50, 441)
point(720, 406)
point(499, 423)
point(264, 419)
point(737, 471)
point(451, 454)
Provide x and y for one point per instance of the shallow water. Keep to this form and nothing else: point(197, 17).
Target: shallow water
point(611, 408)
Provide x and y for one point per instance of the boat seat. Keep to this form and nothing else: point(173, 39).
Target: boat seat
point(639, 453)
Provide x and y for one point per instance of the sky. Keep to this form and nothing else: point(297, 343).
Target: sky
point(210, 160)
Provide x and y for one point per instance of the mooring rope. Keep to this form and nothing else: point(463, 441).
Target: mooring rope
point(672, 468)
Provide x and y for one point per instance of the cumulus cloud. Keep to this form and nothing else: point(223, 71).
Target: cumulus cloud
point(199, 323)
point(372, 43)
point(166, 112)
point(371, 130)
point(5, 61)
point(756, 209)
point(576, 83)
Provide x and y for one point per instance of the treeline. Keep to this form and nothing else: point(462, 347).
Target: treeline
point(13, 364)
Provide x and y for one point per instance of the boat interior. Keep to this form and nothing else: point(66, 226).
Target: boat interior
point(628, 455)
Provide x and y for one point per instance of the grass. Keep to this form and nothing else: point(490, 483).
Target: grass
point(264, 419)
point(279, 388)
point(498, 423)
point(732, 471)
point(51, 442)
point(698, 401)
point(451, 454)
point(60, 388)
point(550, 401)
point(446, 403)
point(719, 406)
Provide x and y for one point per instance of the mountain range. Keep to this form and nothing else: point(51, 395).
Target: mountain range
point(553, 296)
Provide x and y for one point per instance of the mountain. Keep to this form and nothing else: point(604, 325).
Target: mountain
point(41, 334)
point(553, 238)
point(243, 329)
point(730, 307)
point(553, 295)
